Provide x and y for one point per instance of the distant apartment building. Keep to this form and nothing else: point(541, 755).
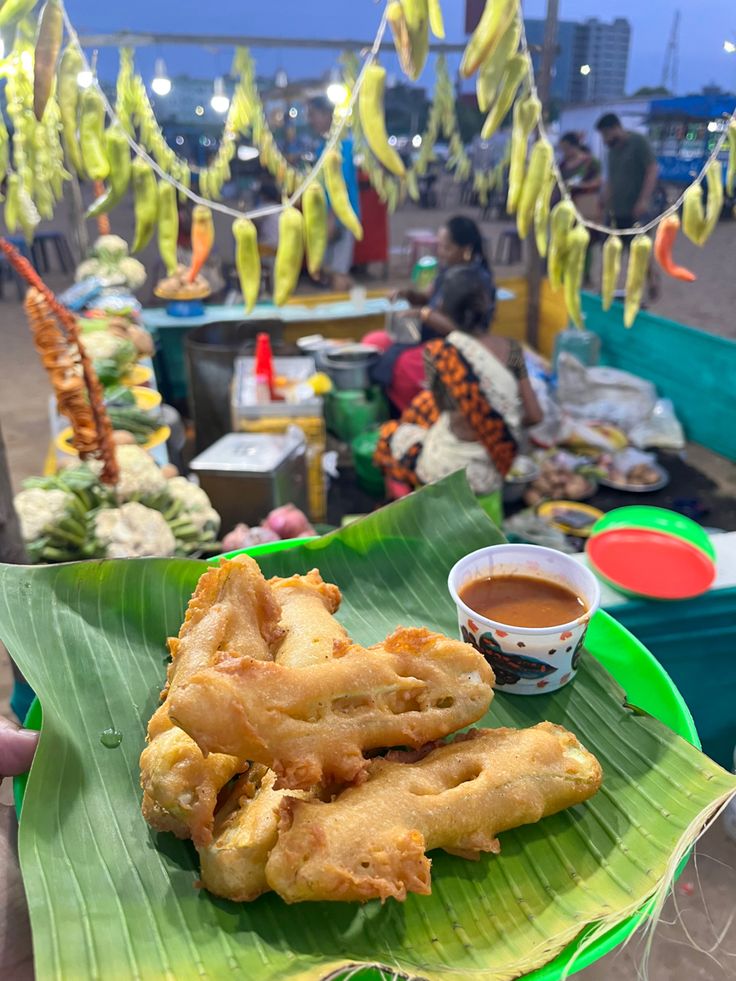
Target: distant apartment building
point(601, 49)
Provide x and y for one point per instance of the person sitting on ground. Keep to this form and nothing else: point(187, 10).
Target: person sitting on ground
point(401, 368)
point(477, 399)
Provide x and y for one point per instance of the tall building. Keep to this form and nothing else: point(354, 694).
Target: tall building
point(601, 49)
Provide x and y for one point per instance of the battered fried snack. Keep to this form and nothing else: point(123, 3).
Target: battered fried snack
point(311, 631)
point(246, 829)
point(233, 609)
point(370, 842)
point(233, 864)
point(313, 724)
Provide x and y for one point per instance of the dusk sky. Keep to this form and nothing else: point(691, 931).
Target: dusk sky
point(704, 27)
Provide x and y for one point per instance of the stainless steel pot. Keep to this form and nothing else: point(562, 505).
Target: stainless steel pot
point(349, 366)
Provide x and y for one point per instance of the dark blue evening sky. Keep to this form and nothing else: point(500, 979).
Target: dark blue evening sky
point(705, 25)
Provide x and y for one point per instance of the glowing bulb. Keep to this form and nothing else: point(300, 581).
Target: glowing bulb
point(293, 112)
point(179, 141)
point(84, 79)
point(337, 93)
point(729, 47)
point(585, 69)
point(219, 101)
point(161, 83)
point(199, 111)
point(416, 141)
point(392, 141)
point(247, 152)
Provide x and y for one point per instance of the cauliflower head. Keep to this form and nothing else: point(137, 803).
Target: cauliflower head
point(140, 475)
point(134, 531)
point(110, 248)
point(134, 272)
point(195, 503)
point(37, 509)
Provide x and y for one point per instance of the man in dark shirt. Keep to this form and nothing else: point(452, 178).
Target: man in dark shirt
point(632, 173)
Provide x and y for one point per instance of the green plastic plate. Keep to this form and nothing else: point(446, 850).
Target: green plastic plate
point(656, 519)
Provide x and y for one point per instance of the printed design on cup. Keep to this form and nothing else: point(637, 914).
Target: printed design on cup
point(578, 652)
point(509, 669)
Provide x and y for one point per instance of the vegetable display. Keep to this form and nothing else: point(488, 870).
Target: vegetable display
point(203, 238)
point(338, 194)
point(540, 164)
point(289, 255)
point(495, 20)
point(561, 221)
point(612, 251)
point(577, 245)
point(145, 202)
point(247, 261)
point(373, 120)
point(48, 46)
point(92, 135)
point(663, 244)
point(640, 255)
point(168, 225)
point(314, 207)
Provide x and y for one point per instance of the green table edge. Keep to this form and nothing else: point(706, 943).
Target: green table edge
point(650, 689)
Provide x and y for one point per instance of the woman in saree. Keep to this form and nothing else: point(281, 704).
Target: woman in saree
point(400, 370)
point(476, 401)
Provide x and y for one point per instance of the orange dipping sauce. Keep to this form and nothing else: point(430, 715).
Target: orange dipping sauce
point(522, 601)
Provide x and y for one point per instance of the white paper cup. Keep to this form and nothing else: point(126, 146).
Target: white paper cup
point(525, 660)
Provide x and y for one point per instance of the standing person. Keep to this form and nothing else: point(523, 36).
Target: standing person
point(632, 173)
point(581, 172)
point(339, 256)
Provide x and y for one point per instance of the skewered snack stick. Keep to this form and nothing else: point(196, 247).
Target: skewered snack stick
point(370, 842)
point(105, 450)
point(233, 864)
point(233, 609)
point(313, 724)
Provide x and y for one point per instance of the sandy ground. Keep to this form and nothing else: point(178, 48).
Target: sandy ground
point(696, 938)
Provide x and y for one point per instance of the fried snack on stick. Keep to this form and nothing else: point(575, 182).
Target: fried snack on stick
point(232, 609)
point(307, 605)
point(313, 724)
point(233, 864)
point(370, 842)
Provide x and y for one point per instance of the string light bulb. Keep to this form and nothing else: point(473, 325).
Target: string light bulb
point(220, 101)
point(161, 83)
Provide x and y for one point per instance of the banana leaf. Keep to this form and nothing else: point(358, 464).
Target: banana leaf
point(110, 899)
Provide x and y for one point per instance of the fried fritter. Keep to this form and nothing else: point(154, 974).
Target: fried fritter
point(233, 864)
point(313, 724)
point(371, 841)
point(233, 609)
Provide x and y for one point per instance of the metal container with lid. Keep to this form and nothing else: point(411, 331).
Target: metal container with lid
point(246, 475)
point(349, 366)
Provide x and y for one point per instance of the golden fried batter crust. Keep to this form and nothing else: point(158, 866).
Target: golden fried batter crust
point(371, 841)
point(233, 864)
point(233, 608)
point(313, 724)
